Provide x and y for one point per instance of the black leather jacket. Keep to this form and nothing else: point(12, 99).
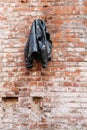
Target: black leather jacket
point(39, 45)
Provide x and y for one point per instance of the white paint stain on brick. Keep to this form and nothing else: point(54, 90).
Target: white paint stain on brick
point(36, 4)
point(80, 2)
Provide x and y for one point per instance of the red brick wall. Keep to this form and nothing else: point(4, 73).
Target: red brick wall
point(54, 98)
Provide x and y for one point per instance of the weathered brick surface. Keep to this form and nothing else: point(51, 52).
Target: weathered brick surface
point(54, 98)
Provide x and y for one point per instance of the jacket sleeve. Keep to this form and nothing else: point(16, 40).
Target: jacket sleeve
point(49, 45)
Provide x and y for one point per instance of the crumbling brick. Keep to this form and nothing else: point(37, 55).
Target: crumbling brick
point(53, 98)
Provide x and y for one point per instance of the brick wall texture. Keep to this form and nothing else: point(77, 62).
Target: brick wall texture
point(53, 98)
